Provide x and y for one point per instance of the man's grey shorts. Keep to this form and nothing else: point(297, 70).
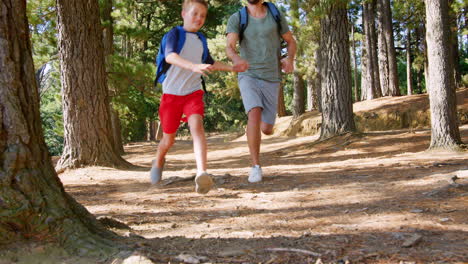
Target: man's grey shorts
point(260, 93)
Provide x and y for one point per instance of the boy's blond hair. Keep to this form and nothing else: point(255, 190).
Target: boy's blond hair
point(187, 3)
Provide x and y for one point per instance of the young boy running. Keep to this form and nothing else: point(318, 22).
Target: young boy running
point(181, 90)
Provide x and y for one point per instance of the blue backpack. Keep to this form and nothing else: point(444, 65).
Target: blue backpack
point(163, 66)
point(244, 18)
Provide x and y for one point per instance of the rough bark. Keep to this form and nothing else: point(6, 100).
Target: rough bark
point(86, 110)
point(356, 83)
point(387, 31)
point(374, 56)
point(382, 51)
point(421, 76)
point(108, 28)
point(33, 202)
point(318, 79)
point(298, 95)
point(337, 109)
point(454, 45)
point(312, 96)
point(281, 105)
point(299, 92)
point(159, 131)
point(370, 85)
point(409, 74)
point(116, 132)
point(441, 87)
point(108, 41)
point(152, 130)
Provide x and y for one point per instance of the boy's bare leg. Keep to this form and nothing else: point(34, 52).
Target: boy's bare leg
point(203, 180)
point(157, 167)
point(195, 122)
point(163, 147)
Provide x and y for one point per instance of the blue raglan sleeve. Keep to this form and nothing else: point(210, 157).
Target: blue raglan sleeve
point(171, 42)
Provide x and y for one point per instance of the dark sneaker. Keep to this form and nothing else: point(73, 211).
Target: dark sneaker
point(155, 174)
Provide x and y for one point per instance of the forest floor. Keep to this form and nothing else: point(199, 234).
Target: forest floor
point(373, 197)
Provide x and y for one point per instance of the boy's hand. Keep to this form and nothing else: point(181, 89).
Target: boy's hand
point(240, 65)
point(203, 69)
point(287, 65)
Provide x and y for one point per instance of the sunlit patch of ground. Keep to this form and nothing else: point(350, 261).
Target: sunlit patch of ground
point(376, 197)
point(353, 197)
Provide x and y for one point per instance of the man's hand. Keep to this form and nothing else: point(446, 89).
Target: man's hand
point(240, 65)
point(287, 65)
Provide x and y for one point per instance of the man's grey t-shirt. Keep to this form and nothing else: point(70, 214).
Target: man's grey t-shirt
point(261, 45)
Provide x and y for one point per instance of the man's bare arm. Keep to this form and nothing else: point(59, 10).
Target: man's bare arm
point(239, 64)
point(288, 62)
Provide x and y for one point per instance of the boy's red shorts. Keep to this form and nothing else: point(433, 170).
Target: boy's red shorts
point(173, 106)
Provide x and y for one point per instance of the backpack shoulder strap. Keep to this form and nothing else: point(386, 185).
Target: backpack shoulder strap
point(204, 58)
point(161, 64)
point(276, 14)
point(181, 35)
point(205, 46)
point(243, 22)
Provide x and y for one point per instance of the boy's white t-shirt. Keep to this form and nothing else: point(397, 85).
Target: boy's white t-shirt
point(180, 81)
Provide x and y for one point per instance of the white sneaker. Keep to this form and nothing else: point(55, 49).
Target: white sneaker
point(203, 183)
point(255, 174)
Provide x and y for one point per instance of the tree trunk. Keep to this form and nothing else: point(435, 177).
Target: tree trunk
point(312, 96)
point(356, 83)
point(318, 80)
point(281, 104)
point(421, 76)
point(116, 132)
point(33, 201)
point(298, 95)
point(374, 56)
point(366, 65)
point(159, 131)
point(108, 40)
point(370, 85)
point(454, 44)
point(409, 74)
point(152, 130)
point(394, 89)
point(86, 111)
point(149, 17)
point(382, 51)
point(337, 110)
point(108, 30)
point(442, 96)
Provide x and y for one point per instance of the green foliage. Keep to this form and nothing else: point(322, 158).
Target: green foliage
point(224, 113)
point(288, 91)
point(134, 97)
point(42, 18)
point(401, 66)
point(51, 113)
point(464, 67)
point(138, 29)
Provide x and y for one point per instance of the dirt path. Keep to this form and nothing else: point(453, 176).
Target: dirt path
point(356, 198)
